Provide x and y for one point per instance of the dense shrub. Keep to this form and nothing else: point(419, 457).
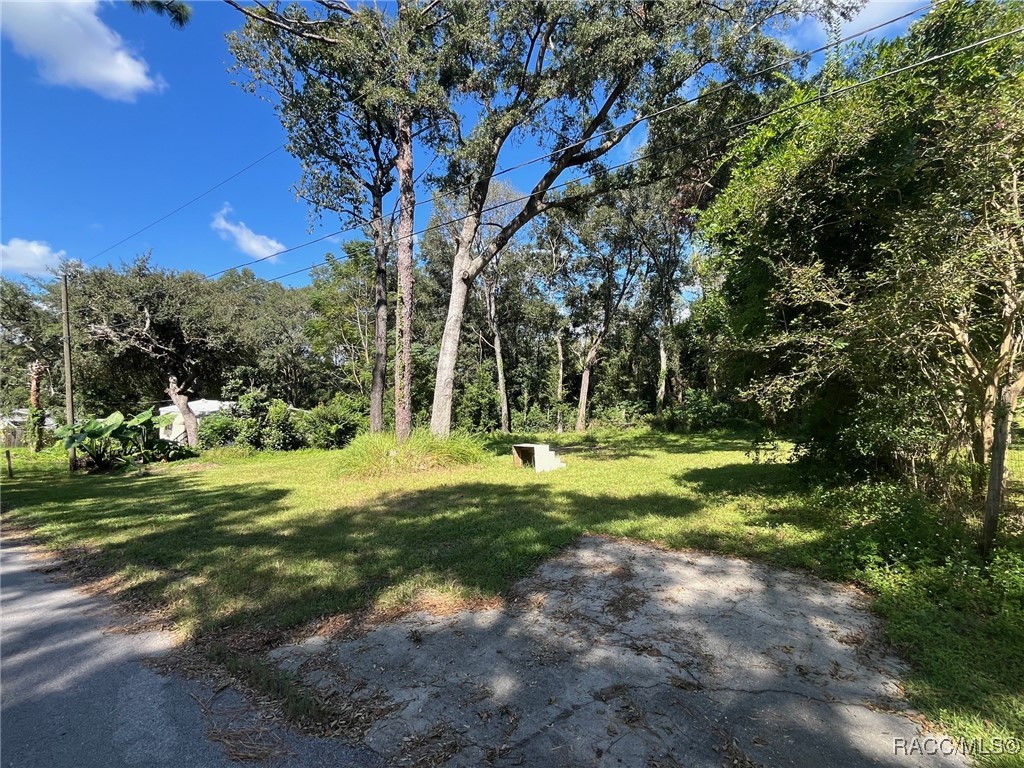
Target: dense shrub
point(699, 411)
point(534, 420)
point(883, 525)
point(262, 423)
point(281, 432)
point(622, 415)
point(332, 424)
point(266, 423)
point(217, 429)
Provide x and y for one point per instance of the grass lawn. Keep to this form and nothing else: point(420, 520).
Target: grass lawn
point(272, 541)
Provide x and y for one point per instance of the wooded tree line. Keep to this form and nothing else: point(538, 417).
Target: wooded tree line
point(846, 270)
point(535, 329)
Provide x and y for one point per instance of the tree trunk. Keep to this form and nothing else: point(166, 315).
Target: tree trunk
point(982, 437)
point(380, 316)
point(588, 367)
point(659, 405)
point(560, 389)
point(36, 419)
point(997, 470)
point(444, 382)
point(491, 301)
point(179, 396)
point(581, 414)
point(35, 373)
point(502, 393)
point(404, 310)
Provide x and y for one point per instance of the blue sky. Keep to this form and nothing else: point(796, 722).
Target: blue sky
point(111, 119)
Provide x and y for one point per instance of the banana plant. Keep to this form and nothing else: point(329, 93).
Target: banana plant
point(116, 442)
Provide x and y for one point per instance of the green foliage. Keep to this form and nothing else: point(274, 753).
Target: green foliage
point(281, 431)
point(116, 442)
point(381, 454)
point(533, 420)
point(332, 424)
point(867, 249)
point(884, 525)
point(624, 414)
point(342, 303)
point(36, 434)
point(217, 430)
point(478, 408)
point(29, 331)
point(265, 423)
point(252, 411)
point(698, 412)
point(136, 323)
point(178, 13)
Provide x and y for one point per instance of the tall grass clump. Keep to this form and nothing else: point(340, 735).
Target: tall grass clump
point(382, 454)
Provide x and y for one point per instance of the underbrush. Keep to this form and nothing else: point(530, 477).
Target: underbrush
point(958, 620)
point(382, 454)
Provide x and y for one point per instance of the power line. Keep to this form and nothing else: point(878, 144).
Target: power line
point(627, 126)
point(728, 129)
point(181, 207)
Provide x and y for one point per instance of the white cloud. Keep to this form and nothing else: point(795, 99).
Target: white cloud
point(247, 241)
point(28, 257)
point(74, 48)
point(877, 11)
point(808, 32)
point(627, 149)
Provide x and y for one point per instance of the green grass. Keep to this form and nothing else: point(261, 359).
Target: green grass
point(265, 542)
point(382, 454)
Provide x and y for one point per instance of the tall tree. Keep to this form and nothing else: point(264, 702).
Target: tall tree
point(148, 315)
point(354, 89)
point(571, 76)
point(598, 277)
point(341, 325)
point(504, 268)
point(658, 226)
point(29, 332)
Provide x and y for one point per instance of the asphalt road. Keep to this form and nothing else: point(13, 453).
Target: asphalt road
point(73, 695)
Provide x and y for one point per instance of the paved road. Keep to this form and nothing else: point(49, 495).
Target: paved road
point(74, 696)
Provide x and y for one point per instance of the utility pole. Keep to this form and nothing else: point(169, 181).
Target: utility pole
point(69, 401)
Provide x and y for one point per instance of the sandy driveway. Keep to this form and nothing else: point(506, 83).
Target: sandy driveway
point(618, 654)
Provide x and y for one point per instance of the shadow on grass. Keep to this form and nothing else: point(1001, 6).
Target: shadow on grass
point(217, 554)
point(770, 480)
point(611, 445)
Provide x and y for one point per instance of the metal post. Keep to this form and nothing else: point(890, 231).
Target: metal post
point(69, 401)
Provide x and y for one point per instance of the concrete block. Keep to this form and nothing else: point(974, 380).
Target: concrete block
point(536, 455)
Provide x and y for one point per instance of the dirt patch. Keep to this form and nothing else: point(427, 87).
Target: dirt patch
point(614, 654)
